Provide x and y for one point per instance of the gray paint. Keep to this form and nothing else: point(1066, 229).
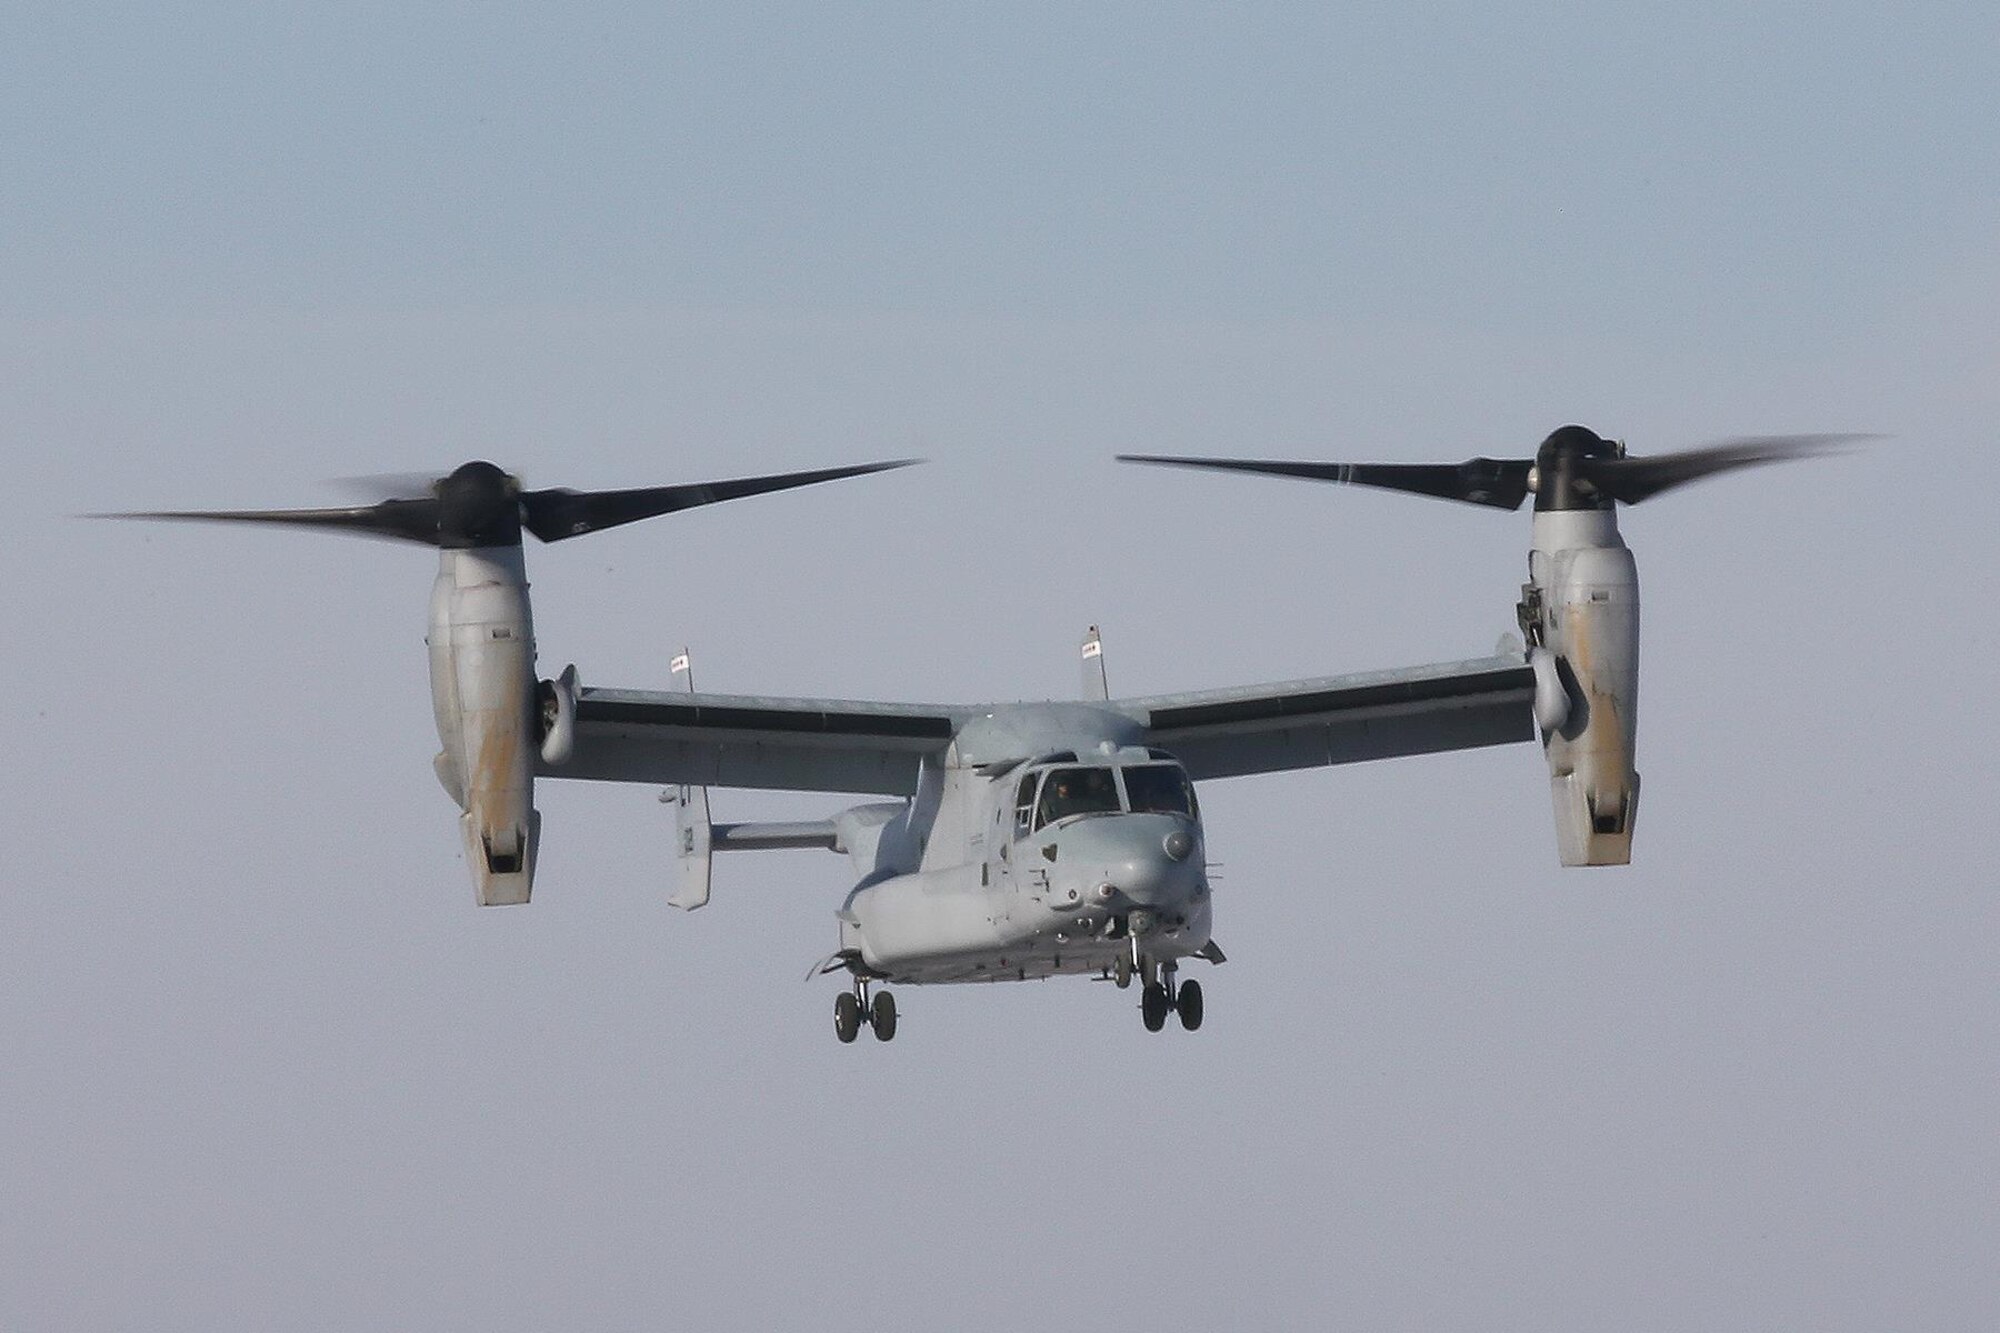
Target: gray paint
point(269, 1067)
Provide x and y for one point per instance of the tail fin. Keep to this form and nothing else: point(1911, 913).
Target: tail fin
point(693, 834)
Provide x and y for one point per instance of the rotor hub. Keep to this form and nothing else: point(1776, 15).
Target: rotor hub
point(478, 505)
point(1561, 473)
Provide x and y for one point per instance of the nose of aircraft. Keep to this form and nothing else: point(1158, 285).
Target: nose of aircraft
point(1147, 859)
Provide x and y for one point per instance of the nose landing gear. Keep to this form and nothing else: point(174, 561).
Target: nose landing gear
point(1161, 995)
point(1187, 1003)
point(850, 1007)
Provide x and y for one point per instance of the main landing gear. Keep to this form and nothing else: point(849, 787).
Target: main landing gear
point(1160, 995)
point(850, 1007)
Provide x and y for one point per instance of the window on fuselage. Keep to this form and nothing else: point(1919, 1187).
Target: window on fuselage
point(1160, 789)
point(1077, 791)
point(1024, 802)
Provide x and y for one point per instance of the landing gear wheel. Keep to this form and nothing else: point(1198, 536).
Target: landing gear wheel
point(846, 1016)
point(1121, 971)
point(1153, 1006)
point(1188, 1002)
point(882, 1015)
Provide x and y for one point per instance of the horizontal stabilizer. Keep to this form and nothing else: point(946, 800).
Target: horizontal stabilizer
point(817, 833)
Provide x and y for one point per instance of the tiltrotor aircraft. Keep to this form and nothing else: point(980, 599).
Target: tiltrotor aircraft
point(1025, 840)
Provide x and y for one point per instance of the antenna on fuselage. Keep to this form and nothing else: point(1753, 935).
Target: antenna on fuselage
point(1095, 688)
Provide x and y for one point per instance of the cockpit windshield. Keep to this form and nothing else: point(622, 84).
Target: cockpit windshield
point(1065, 792)
point(1160, 789)
point(1076, 791)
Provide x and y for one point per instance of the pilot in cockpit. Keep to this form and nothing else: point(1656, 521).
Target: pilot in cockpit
point(1077, 791)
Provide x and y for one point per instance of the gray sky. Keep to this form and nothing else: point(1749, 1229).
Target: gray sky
point(269, 1067)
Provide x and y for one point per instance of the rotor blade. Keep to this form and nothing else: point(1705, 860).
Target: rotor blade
point(1501, 483)
point(555, 514)
point(403, 520)
point(1630, 480)
point(380, 486)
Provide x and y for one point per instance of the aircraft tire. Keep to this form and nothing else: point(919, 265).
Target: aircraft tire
point(1153, 1006)
point(1121, 971)
point(846, 1016)
point(882, 1016)
point(1188, 1003)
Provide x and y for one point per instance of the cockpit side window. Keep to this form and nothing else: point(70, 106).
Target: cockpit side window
point(1077, 791)
point(1024, 802)
point(1160, 789)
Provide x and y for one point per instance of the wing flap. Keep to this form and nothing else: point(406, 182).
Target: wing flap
point(721, 740)
point(1344, 719)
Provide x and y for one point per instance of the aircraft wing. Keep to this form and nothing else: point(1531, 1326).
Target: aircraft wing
point(1343, 719)
point(730, 740)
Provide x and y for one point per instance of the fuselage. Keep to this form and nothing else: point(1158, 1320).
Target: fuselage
point(1012, 870)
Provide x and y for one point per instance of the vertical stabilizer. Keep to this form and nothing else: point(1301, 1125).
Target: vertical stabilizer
point(693, 834)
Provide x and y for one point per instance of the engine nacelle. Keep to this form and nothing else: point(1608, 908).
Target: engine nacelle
point(484, 696)
point(1581, 608)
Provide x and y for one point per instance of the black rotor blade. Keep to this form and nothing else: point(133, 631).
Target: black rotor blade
point(1630, 480)
point(1500, 483)
point(402, 520)
point(381, 486)
point(556, 514)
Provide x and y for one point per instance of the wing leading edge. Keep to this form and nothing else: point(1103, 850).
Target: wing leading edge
point(1343, 719)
